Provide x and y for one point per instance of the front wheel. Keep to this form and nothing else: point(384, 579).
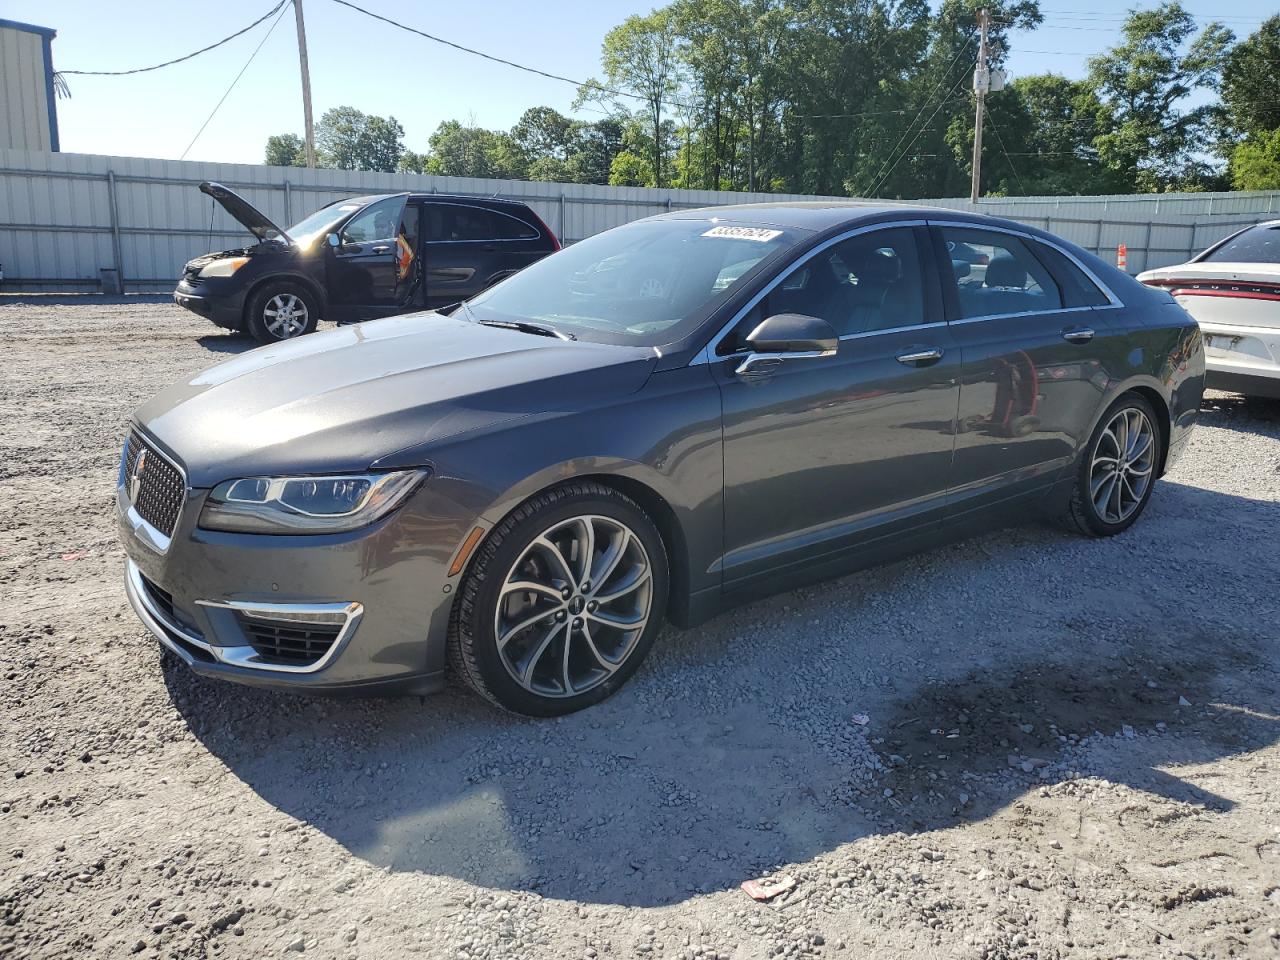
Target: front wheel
point(561, 603)
point(281, 311)
point(1117, 473)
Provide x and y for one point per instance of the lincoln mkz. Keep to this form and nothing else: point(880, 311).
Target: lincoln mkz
point(660, 421)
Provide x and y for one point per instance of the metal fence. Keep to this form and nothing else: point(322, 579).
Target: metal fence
point(67, 218)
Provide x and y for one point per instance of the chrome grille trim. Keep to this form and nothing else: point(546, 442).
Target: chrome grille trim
point(161, 493)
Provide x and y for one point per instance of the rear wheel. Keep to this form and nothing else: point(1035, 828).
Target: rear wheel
point(281, 311)
point(1117, 473)
point(562, 602)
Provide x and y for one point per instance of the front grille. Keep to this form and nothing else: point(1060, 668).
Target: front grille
point(282, 642)
point(160, 488)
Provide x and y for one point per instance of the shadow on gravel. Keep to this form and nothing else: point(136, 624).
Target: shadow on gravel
point(230, 342)
point(702, 773)
point(1235, 412)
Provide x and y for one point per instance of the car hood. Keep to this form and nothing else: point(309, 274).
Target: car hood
point(254, 220)
point(341, 400)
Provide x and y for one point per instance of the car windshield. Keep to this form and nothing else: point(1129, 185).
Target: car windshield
point(308, 229)
point(1255, 245)
point(647, 284)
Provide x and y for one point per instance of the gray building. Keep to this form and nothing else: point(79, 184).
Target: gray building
point(28, 109)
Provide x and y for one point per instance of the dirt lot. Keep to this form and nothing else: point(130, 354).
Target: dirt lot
point(1073, 746)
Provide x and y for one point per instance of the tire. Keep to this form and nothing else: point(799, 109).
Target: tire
point(1097, 508)
point(262, 312)
point(529, 673)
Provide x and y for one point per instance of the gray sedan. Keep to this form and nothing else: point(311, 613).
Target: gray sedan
point(668, 418)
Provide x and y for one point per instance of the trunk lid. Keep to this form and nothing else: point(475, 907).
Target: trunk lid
point(254, 220)
point(1224, 293)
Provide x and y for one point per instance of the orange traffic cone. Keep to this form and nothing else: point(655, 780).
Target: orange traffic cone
point(1122, 257)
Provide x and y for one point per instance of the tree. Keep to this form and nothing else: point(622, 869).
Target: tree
point(455, 150)
point(543, 132)
point(1155, 142)
point(1255, 164)
point(640, 58)
point(1249, 90)
point(597, 145)
point(348, 139)
point(286, 150)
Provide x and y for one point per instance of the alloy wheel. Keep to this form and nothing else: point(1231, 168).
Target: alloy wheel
point(285, 316)
point(1123, 465)
point(573, 606)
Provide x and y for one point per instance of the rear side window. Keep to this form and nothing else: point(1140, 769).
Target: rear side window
point(459, 222)
point(996, 274)
point(1255, 245)
point(1077, 289)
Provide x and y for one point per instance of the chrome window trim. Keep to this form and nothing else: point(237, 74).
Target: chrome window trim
point(1113, 303)
point(1024, 313)
point(708, 353)
point(145, 532)
point(538, 234)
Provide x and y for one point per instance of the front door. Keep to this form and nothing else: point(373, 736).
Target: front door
point(823, 455)
point(363, 266)
point(1035, 368)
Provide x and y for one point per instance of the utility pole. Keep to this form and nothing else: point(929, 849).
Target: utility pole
point(306, 84)
point(981, 83)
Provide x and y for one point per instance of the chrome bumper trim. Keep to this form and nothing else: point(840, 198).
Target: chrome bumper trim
point(164, 628)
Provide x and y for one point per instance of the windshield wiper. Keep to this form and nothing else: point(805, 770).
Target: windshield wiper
point(525, 327)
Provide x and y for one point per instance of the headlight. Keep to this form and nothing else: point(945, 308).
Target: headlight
point(222, 268)
point(306, 504)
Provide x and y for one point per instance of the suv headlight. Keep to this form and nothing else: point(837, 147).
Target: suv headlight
point(222, 268)
point(294, 505)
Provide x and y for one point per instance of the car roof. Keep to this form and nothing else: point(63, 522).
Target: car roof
point(367, 198)
point(819, 215)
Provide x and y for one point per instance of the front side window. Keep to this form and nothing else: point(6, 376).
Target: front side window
point(647, 283)
point(996, 274)
point(1255, 245)
point(378, 221)
point(870, 282)
point(307, 230)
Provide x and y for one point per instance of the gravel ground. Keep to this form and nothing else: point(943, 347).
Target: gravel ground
point(1071, 748)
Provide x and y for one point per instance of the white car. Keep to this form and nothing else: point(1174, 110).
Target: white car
point(1233, 291)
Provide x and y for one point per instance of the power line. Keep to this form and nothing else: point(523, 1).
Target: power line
point(219, 104)
point(996, 130)
point(169, 63)
point(505, 62)
point(888, 173)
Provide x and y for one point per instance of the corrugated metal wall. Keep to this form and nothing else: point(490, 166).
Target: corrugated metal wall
point(64, 217)
point(24, 97)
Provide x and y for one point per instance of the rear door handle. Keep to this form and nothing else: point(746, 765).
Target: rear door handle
point(931, 355)
point(1077, 334)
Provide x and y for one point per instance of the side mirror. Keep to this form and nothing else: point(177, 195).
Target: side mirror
point(332, 240)
point(788, 336)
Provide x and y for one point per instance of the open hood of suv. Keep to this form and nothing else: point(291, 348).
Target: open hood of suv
point(254, 219)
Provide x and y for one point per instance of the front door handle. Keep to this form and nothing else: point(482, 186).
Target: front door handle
point(923, 357)
point(381, 248)
point(1077, 334)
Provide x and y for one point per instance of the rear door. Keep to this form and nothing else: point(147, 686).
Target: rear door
point(1036, 360)
point(824, 455)
point(470, 247)
point(362, 270)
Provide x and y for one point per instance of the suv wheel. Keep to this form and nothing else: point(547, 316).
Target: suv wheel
point(281, 311)
point(562, 602)
point(1117, 473)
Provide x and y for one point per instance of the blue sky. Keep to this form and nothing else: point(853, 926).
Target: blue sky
point(378, 69)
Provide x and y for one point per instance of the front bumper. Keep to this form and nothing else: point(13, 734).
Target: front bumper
point(383, 590)
point(218, 300)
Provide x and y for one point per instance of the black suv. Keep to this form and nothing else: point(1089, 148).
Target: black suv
point(358, 259)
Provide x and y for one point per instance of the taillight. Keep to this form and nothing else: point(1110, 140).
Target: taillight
point(542, 224)
point(1245, 290)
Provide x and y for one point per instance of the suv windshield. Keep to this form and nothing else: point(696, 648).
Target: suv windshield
point(646, 284)
point(306, 230)
point(1254, 245)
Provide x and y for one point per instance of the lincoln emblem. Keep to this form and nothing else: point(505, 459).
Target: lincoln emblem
point(134, 483)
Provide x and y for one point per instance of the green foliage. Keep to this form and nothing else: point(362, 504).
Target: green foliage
point(1255, 164)
point(869, 98)
point(1250, 92)
point(350, 140)
point(286, 150)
